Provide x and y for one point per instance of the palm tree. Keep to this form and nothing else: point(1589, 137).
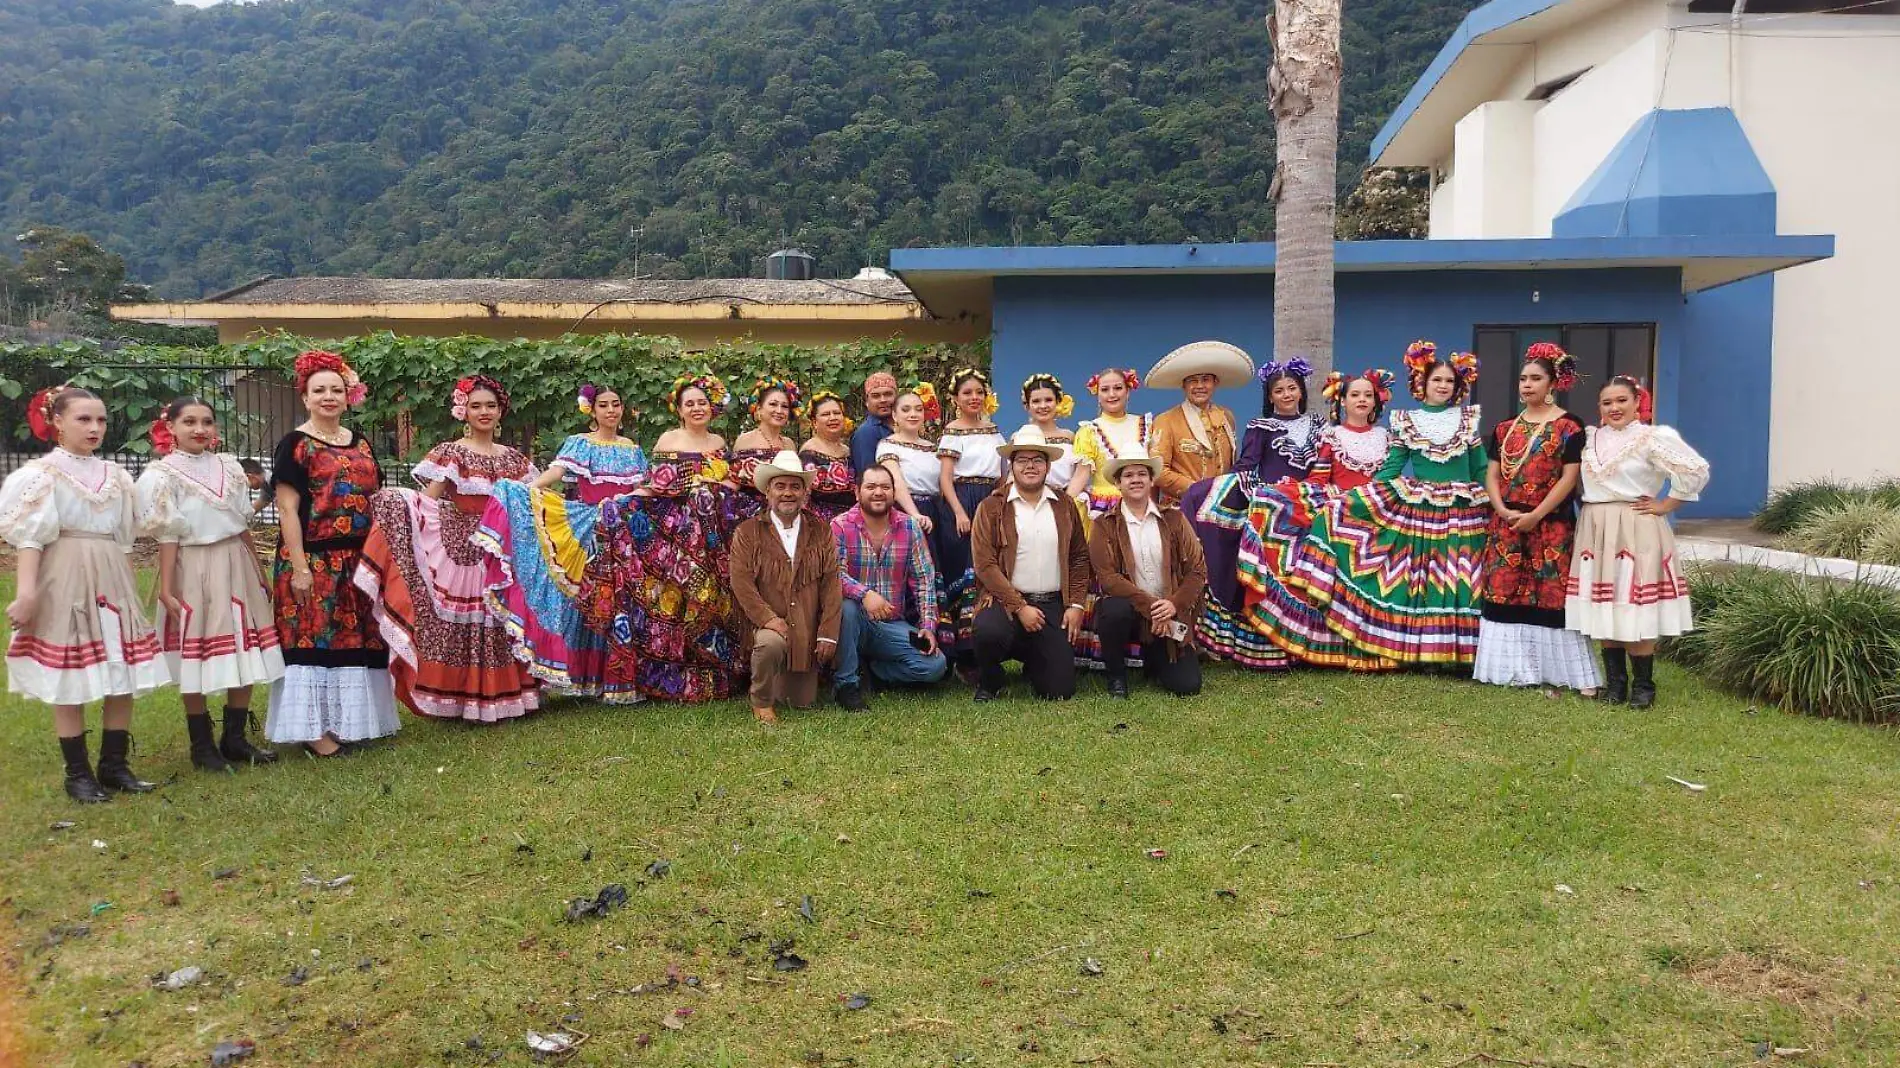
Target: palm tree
point(1303, 90)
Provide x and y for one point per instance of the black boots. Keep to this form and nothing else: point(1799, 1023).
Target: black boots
point(235, 746)
point(1642, 683)
point(80, 784)
point(114, 772)
point(1616, 676)
point(204, 749)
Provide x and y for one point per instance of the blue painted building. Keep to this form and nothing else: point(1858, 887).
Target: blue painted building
point(1622, 304)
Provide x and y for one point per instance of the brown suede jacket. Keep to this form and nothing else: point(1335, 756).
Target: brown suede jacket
point(1183, 566)
point(993, 548)
point(805, 593)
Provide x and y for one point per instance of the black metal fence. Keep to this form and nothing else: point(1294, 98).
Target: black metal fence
point(255, 408)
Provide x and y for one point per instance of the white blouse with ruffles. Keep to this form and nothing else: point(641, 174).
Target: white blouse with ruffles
point(193, 500)
point(61, 493)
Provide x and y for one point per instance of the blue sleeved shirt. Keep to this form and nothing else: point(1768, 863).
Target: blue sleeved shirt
point(864, 441)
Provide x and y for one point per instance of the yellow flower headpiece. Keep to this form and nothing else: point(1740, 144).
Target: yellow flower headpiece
point(811, 409)
point(714, 389)
point(1065, 404)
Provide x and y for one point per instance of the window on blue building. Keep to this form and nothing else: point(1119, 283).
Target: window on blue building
point(1601, 349)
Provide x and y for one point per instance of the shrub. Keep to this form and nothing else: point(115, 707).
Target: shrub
point(1788, 506)
point(1810, 645)
point(1840, 530)
point(1883, 545)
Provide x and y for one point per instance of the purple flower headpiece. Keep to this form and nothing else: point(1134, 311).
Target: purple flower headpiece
point(1297, 367)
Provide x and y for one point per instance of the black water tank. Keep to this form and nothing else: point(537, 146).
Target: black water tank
point(790, 264)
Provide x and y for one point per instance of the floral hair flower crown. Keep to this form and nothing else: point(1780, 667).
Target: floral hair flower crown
point(818, 399)
point(1645, 401)
point(769, 384)
point(1065, 404)
point(1560, 361)
point(1130, 378)
point(1422, 356)
point(961, 374)
point(927, 393)
point(714, 389)
point(466, 386)
point(316, 361)
point(1337, 383)
point(1297, 367)
point(39, 411)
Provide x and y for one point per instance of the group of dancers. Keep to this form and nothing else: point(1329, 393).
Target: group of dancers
point(1324, 539)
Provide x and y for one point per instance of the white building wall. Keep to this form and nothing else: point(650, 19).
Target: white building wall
point(1819, 98)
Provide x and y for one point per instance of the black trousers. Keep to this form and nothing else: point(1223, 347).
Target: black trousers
point(1048, 658)
point(1117, 623)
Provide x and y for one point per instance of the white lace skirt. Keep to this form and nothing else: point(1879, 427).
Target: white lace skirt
point(352, 704)
point(1524, 654)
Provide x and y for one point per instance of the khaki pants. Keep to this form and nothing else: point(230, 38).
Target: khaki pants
point(772, 684)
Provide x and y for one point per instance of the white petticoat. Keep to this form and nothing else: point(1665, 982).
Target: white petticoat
point(1524, 654)
point(351, 704)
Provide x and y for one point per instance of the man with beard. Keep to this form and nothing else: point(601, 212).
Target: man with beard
point(888, 582)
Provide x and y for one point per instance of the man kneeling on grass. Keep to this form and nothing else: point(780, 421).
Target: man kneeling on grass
point(1032, 563)
point(1152, 574)
point(785, 580)
point(888, 580)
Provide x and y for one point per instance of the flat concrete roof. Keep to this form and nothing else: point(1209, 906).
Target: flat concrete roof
point(950, 281)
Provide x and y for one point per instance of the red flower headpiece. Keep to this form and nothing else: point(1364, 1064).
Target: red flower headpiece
point(933, 408)
point(39, 412)
point(1564, 364)
point(162, 438)
point(1645, 401)
point(316, 361)
point(1129, 377)
point(458, 397)
point(1337, 383)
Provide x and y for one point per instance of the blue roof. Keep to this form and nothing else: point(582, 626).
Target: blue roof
point(1483, 19)
point(1675, 171)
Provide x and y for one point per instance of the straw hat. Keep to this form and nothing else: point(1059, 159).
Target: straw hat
point(1228, 363)
point(1136, 457)
point(785, 463)
point(1029, 439)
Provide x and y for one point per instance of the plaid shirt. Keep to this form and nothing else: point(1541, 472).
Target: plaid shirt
point(901, 573)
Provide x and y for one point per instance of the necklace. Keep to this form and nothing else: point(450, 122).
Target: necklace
point(338, 437)
point(1530, 434)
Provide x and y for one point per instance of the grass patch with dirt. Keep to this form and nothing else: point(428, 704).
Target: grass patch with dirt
point(1357, 871)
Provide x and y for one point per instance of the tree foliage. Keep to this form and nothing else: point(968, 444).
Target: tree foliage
point(531, 137)
point(1388, 203)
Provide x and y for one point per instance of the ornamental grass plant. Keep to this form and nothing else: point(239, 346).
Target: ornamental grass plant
point(1840, 530)
point(1808, 645)
point(1792, 505)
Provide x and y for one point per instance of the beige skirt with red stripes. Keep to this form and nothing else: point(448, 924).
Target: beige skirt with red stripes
point(227, 635)
point(1625, 583)
point(88, 639)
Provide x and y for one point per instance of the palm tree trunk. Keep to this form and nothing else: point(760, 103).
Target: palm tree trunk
point(1303, 90)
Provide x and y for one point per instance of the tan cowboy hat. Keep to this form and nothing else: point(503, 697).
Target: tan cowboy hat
point(1228, 363)
point(1029, 439)
point(785, 463)
point(1136, 458)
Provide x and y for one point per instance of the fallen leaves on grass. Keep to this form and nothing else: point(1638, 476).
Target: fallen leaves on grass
point(611, 897)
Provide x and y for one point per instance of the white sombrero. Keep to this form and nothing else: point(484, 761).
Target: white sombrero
point(1228, 363)
point(1029, 439)
point(785, 463)
point(1135, 458)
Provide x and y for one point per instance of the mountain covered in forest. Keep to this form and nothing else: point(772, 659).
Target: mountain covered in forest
point(568, 137)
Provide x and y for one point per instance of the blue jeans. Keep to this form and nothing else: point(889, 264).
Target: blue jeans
point(885, 646)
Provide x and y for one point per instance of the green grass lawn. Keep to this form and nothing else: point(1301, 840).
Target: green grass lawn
point(1358, 871)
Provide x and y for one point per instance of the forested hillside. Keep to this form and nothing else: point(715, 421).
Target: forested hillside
point(530, 137)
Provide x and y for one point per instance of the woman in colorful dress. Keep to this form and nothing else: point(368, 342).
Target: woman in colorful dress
point(1045, 401)
point(1195, 439)
point(1532, 481)
point(773, 403)
point(538, 542)
point(1110, 434)
point(827, 454)
point(215, 620)
point(1347, 454)
point(78, 633)
point(969, 469)
point(428, 579)
point(1626, 589)
point(912, 458)
point(660, 588)
point(1278, 447)
point(336, 689)
point(1396, 561)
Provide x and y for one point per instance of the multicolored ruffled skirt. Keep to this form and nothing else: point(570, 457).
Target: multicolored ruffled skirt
point(538, 544)
point(660, 589)
point(1396, 568)
point(1218, 510)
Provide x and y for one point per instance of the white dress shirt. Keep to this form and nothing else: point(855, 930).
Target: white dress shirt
point(788, 536)
point(1038, 551)
point(1144, 538)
